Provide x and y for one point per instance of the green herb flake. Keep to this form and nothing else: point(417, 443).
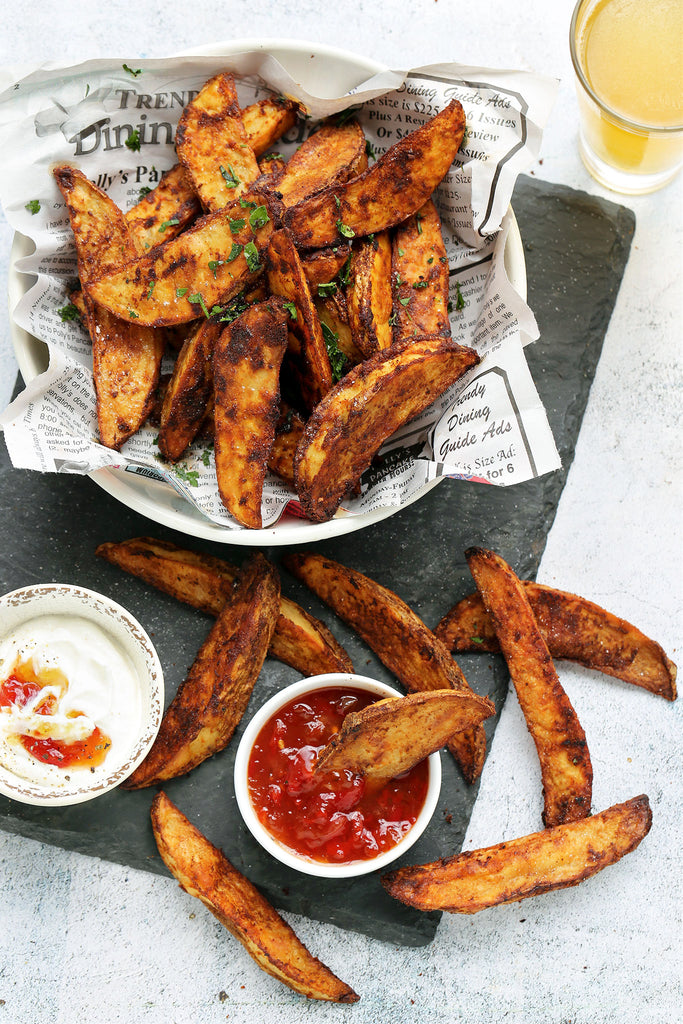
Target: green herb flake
point(188, 476)
point(197, 299)
point(336, 356)
point(344, 229)
point(430, 260)
point(459, 300)
point(229, 176)
point(168, 224)
point(420, 284)
point(476, 640)
point(206, 457)
point(369, 149)
point(345, 273)
point(69, 312)
point(252, 257)
point(133, 315)
point(401, 251)
point(393, 319)
point(418, 218)
point(236, 224)
point(133, 141)
point(247, 204)
point(337, 201)
point(151, 289)
point(271, 156)
point(291, 309)
point(131, 71)
point(179, 292)
point(234, 309)
point(144, 191)
point(327, 289)
point(404, 302)
point(258, 217)
point(346, 115)
point(33, 206)
point(234, 252)
point(214, 265)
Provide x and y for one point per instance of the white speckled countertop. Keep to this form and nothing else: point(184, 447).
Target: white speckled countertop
point(85, 940)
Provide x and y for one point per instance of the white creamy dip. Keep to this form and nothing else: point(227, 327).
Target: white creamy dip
point(103, 691)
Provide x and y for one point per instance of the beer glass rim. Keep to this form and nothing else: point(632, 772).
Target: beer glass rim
point(621, 119)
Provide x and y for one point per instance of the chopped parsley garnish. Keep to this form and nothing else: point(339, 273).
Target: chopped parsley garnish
point(258, 217)
point(252, 257)
point(233, 309)
point(369, 149)
point(345, 273)
point(476, 640)
point(236, 224)
point(214, 265)
point(151, 289)
point(430, 260)
point(420, 284)
point(337, 357)
point(337, 201)
point(33, 206)
point(418, 218)
point(198, 299)
point(234, 252)
point(189, 476)
point(344, 229)
point(247, 204)
point(401, 251)
point(168, 224)
point(291, 309)
point(131, 71)
point(179, 292)
point(346, 115)
point(393, 319)
point(144, 191)
point(133, 140)
point(404, 302)
point(133, 315)
point(272, 156)
point(229, 176)
point(69, 312)
point(459, 300)
point(327, 289)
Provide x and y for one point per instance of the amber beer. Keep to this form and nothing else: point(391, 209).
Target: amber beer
point(628, 58)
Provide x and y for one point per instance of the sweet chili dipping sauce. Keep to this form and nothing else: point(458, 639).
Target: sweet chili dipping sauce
point(335, 817)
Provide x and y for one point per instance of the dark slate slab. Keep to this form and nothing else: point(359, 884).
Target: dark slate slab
point(576, 250)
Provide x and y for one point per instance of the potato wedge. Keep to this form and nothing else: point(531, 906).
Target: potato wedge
point(398, 637)
point(366, 407)
point(267, 120)
point(393, 735)
point(322, 265)
point(556, 858)
point(207, 583)
point(419, 272)
point(205, 872)
point(288, 431)
point(164, 212)
point(212, 144)
point(189, 391)
point(308, 358)
point(560, 741)
point(368, 294)
point(210, 702)
point(126, 356)
point(328, 157)
point(246, 368)
point(573, 628)
point(187, 276)
point(333, 315)
point(388, 192)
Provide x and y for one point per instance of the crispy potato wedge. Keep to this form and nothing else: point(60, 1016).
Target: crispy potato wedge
point(126, 356)
point(246, 368)
point(323, 265)
point(367, 406)
point(308, 358)
point(189, 391)
point(393, 735)
point(398, 637)
point(205, 872)
point(560, 741)
point(556, 858)
point(573, 628)
point(183, 279)
point(419, 273)
point(388, 192)
point(328, 157)
point(368, 294)
point(333, 315)
point(164, 212)
point(267, 120)
point(272, 166)
point(288, 431)
point(210, 702)
point(207, 583)
point(212, 144)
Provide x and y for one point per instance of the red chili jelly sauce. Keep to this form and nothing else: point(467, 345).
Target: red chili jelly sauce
point(335, 817)
point(21, 687)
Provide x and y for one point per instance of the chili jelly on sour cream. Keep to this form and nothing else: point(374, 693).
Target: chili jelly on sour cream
point(68, 695)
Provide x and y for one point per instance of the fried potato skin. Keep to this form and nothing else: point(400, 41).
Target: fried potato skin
point(288, 432)
point(328, 158)
point(164, 212)
point(398, 637)
point(155, 289)
point(387, 192)
point(205, 872)
point(189, 391)
point(566, 769)
point(322, 265)
point(419, 271)
point(210, 702)
point(375, 398)
point(556, 858)
point(207, 583)
point(573, 628)
point(246, 368)
point(368, 294)
point(392, 736)
point(267, 120)
point(213, 146)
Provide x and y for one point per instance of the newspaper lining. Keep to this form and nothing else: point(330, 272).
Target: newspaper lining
point(490, 426)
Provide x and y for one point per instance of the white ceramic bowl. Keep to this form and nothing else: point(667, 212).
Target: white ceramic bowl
point(134, 738)
point(267, 841)
point(322, 70)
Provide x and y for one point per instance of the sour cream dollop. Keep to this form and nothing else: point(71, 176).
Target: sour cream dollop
point(90, 683)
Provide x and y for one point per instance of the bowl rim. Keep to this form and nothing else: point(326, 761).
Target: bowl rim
point(99, 608)
point(299, 862)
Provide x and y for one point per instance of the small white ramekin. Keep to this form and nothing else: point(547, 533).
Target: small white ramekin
point(298, 861)
point(127, 634)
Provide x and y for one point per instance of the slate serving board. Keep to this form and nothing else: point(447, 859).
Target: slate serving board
point(576, 248)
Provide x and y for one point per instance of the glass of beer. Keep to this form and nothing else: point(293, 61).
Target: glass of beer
point(628, 59)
